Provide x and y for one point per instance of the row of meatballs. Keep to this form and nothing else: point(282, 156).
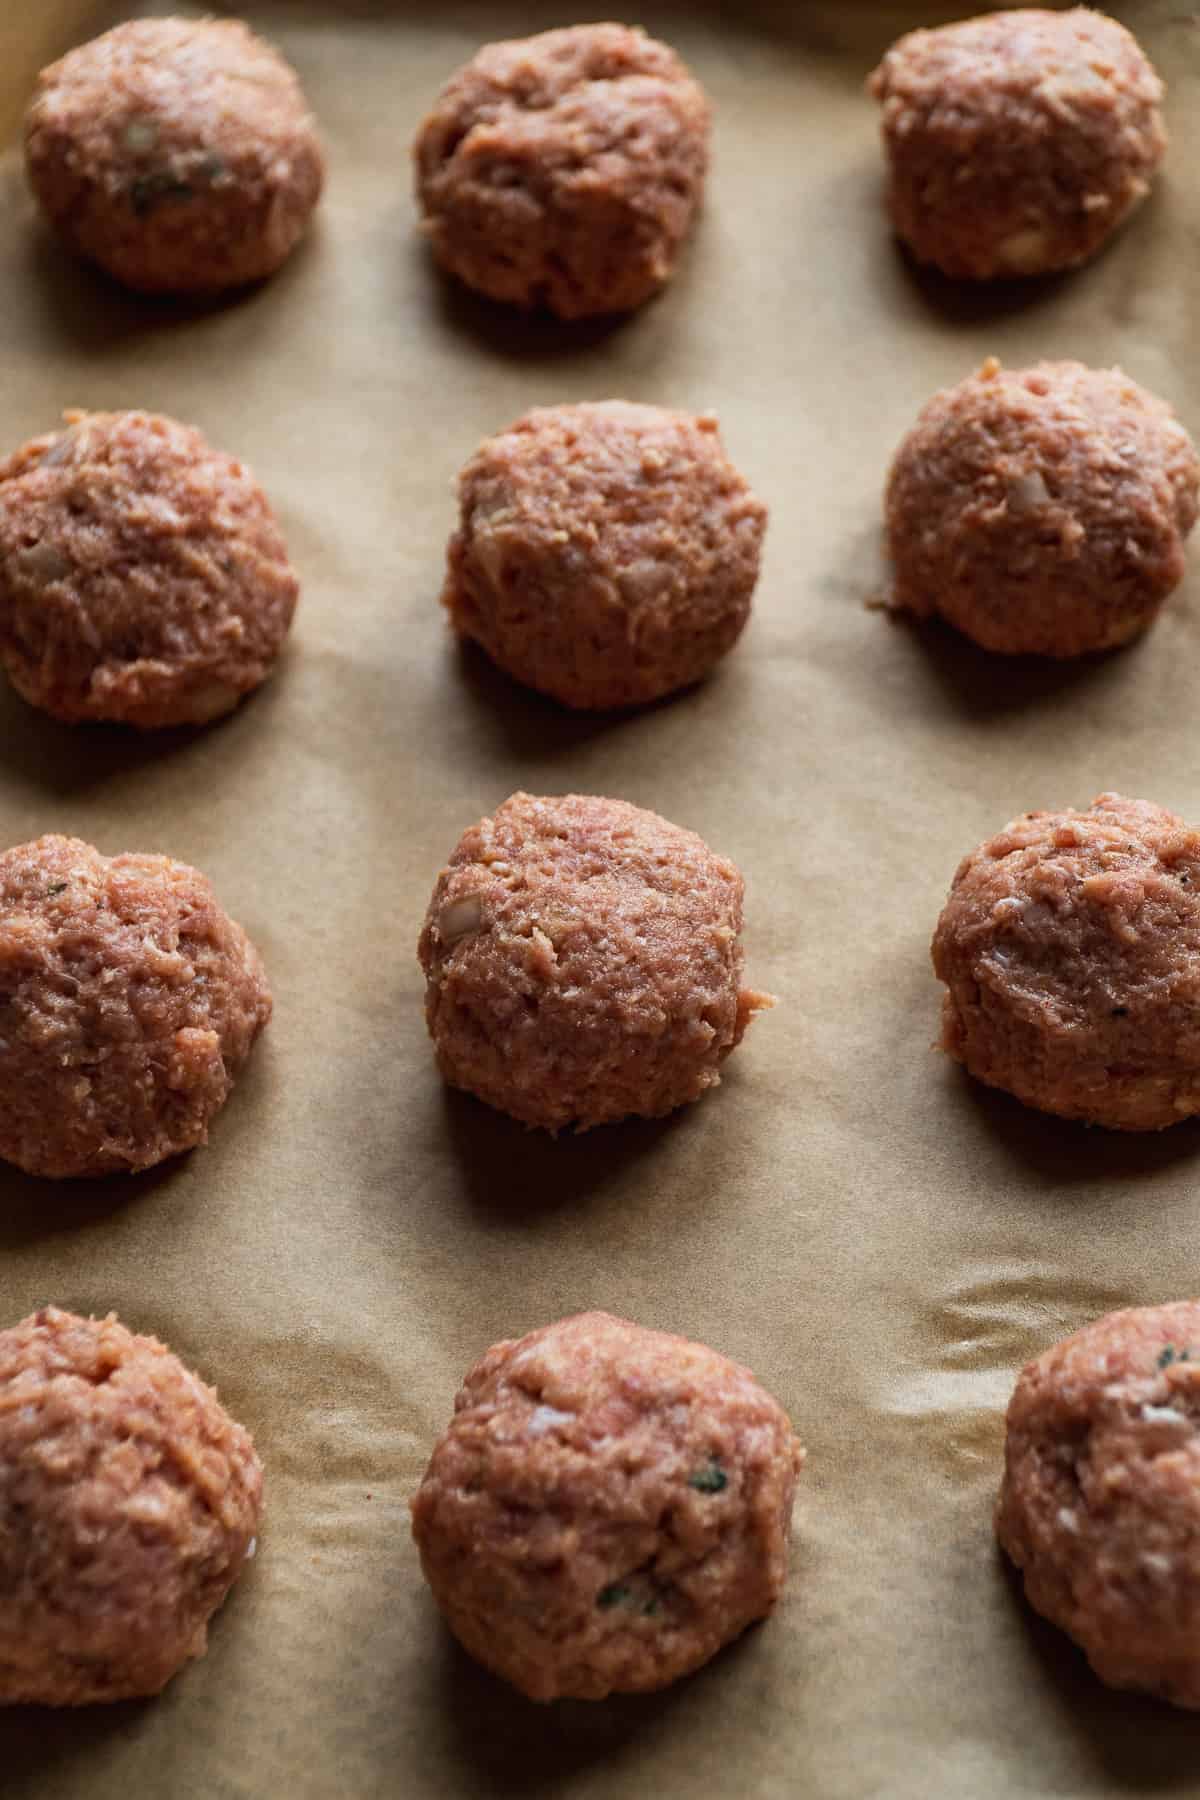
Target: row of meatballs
point(583, 964)
point(608, 1508)
point(606, 553)
point(564, 171)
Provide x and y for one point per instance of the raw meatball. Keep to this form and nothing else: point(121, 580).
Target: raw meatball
point(609, 1507)
point(582, 962)
point(179, 154)
point(130, 1502)
point(1042, 510)
point(564, 170)
point(128, 1003)
point(1070, 946)
point(607, 553)
point(1100, 1504)
point(1019, 141)
point(143, 577)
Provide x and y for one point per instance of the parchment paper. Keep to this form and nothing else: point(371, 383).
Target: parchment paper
point(884, 1243)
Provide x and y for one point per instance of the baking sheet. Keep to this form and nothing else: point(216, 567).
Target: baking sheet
point(883, 1243)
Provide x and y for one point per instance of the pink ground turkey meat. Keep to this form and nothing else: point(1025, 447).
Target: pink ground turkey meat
point(1100, 1504)
point(143, 576)
point(129, 1504)
point(1018, 142)
point(178, 154)
point(1070, 949)
point(129, 1001)
point(1042, 511)
point(606, 554)
point(610, 1506)
point(563, 171)
point(583, 963)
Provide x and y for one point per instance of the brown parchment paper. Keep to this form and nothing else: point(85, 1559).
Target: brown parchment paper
point(884, 1243)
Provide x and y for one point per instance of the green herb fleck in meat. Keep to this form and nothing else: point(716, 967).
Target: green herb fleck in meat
point(615, 1594)
point(1170, 1354)
point(56, 887)
point(148, 191)
point(141, 134)
point(711, 1480)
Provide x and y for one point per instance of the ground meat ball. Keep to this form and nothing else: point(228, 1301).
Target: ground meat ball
point(1100, 1504)
point(179, 154)
point(130, 1502)
point(606, 553)
point(1042, 510)
point(129, 1000)
point(1070, 946)
point(1019, 141)
point(564, 170)
point(609, 1507)
point(143, 578)
point(583, 963)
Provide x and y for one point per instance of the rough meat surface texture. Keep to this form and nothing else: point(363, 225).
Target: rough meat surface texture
point(143, 578)
point(128, 1002)
point(563, 170)
point(1042, 510)
point(606, 554)
point(608, 1508)
point(582, 962)
point(1019, 141)
point(129, 1501)
point(178, 154)
point(1070, 948)
point(1100, 1504)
